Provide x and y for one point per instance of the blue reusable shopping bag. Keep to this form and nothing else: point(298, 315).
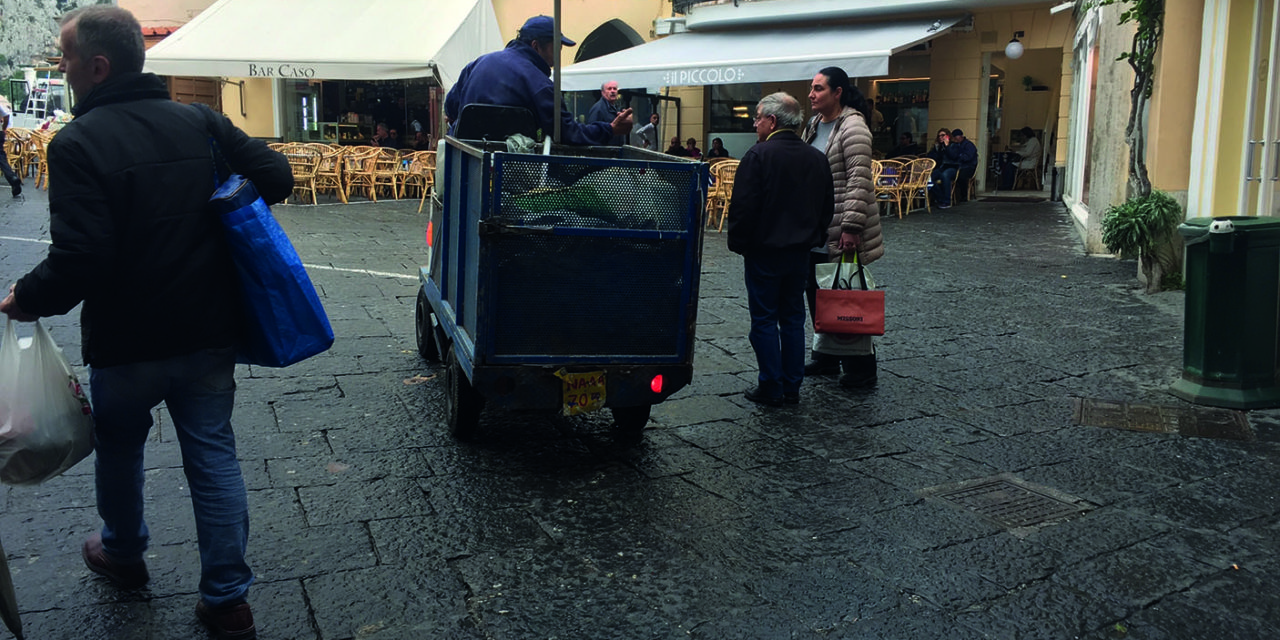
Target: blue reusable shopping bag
point(285, 322)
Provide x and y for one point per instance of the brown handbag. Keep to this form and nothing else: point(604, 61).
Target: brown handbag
point(857, 312)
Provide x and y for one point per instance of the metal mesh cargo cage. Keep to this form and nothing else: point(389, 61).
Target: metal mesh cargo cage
point(585, 255)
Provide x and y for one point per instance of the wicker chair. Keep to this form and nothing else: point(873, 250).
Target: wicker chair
point(409, 175)
point(304, 163)
point(888, 176)
point(1029, 178)
point(386, 173)
point(37, 157)
point(721, 193)
point(357, 170)
point(329, 171)
point(916, 186)
point(415, 174)
point(971, 187)
point(428, 166)
point(15, 149)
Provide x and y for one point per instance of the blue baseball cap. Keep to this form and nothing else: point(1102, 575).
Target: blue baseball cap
point(542, 29)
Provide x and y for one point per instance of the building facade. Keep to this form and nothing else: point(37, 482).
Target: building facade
point(1213, 122)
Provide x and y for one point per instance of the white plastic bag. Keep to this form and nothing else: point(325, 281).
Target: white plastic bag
point(46, 426)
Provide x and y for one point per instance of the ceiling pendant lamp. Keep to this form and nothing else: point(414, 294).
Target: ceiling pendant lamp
point(1013, 50)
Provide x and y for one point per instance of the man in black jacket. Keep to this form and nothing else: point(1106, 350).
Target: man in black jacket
point(132, 239)
point(781, 204)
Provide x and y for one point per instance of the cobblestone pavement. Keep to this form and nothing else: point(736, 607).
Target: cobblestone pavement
point(729, 521)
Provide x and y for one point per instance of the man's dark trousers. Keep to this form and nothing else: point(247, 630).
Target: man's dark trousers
point(775, 296)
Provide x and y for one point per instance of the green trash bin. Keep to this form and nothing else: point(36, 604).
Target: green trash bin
point(1232, 312)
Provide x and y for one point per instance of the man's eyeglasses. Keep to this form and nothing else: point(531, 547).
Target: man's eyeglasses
point(757, 119)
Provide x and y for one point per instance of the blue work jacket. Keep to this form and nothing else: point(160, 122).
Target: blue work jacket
point(518, 77)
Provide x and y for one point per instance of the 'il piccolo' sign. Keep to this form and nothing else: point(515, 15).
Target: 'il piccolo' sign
point(705, 75)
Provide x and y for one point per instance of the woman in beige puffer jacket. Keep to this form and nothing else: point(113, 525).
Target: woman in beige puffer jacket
point(855, 222)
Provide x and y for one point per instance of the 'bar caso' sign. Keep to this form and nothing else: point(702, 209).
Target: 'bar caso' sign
point(282, 70)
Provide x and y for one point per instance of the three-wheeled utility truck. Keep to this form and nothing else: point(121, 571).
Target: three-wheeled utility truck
point(563, 278)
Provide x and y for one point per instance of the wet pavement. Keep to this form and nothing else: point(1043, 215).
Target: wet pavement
point(914, 510)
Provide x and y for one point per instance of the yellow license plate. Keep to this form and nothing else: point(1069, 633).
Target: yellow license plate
point(583, 392)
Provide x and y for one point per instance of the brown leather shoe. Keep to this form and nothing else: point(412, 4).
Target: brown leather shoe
point(228, 623)
point(125, 574)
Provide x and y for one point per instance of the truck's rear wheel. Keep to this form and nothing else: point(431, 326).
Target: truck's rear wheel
point(463, 403)
point(630, 422)
point(424, 328)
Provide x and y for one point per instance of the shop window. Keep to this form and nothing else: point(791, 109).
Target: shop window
point(346, 111)
point(733, 107)
point(901, 106)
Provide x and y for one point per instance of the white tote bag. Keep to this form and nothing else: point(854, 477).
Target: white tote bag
point(46, 426)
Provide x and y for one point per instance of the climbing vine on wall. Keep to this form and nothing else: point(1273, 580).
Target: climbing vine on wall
point(1148, 17)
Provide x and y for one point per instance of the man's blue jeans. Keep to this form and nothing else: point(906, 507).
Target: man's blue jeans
point(199, 391)
point(943, 197)
point(775, 296)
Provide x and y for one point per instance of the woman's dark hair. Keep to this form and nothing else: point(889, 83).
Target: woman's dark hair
point(850, 96)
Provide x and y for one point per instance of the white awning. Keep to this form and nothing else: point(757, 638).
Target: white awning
point(756, 55)
point(330, 40)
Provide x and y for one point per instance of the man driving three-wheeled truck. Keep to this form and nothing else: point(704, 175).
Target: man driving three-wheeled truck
point(560, 277)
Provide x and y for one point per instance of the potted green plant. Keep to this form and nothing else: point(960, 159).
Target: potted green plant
point(1146, 228)
point(1027, 83)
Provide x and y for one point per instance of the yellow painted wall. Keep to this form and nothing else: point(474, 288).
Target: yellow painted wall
point(1173, 103)
point(1064, 109)
point(956, 64)
point(1024, 108)
point(581, 17)
point(955, 84)
point(258, 103)
point(693, 117)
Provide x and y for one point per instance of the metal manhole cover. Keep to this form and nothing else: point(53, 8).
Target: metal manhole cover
point(1010, 502)
point(1186, 421)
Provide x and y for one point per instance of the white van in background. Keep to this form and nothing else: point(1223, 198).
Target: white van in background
point(37, 101)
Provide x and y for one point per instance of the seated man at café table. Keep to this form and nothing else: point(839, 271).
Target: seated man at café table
point(959, 162)
point(676, 149)
point(381, 136)
point(520, 76)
